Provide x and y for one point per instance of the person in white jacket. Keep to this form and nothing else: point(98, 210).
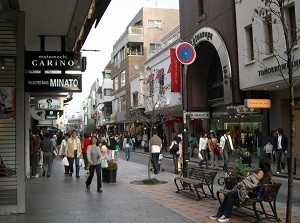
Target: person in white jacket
point(227, 147)
point(62, 150)
point(203, 148)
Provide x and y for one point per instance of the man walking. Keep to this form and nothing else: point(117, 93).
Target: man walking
point(155, 147)
point(47, 148)
point(73, 152)
point(280, 148)
point(227, 147)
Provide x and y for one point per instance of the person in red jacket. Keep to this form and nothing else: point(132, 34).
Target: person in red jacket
point(84, 144)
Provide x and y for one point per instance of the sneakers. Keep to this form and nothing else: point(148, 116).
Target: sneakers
point(223, 218)
point(277, 172)
point(214, 217)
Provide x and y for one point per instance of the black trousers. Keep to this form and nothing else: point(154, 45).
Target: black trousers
point(228, 202)
point(92, 171)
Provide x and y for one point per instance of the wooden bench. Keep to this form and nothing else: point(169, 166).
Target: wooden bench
point(193, 178)
point(268, 196)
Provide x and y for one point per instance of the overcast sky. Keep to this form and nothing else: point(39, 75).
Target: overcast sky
point(113, 23)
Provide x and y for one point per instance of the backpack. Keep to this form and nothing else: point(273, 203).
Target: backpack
point(174, 149)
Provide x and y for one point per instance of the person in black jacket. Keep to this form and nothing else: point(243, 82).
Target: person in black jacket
point(280, 147)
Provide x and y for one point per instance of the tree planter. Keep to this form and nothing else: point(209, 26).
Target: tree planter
point(109, 175)
point(230, 182)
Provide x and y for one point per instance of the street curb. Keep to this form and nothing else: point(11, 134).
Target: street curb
point(191, 161)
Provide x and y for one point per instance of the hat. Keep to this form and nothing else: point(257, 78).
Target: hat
point(211, 131)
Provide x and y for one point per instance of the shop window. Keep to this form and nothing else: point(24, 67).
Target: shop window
point(268, 33)
point(123, 76)
point(107, 92)
point(291, 24)
point(249, 43)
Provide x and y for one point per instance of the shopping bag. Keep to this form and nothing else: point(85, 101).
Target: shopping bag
point(65, 161)
point(104, 163)
point(200, 156)
point(269, 148)
point(81, 162)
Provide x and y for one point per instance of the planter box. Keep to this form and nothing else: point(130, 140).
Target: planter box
point(109, 175)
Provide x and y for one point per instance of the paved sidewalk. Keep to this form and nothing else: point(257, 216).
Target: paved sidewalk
point(64, 199)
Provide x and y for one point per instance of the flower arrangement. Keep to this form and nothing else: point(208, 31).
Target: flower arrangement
point(240, 170)
point(112, 164)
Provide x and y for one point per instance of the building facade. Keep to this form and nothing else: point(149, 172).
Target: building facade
point(262, 60)
point(142, 35)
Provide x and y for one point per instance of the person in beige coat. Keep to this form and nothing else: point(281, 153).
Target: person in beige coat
point(73, 152)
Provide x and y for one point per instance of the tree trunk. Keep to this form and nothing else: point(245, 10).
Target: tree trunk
point(291, 151)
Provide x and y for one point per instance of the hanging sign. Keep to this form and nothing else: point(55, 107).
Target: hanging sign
point(49, 103)
point(257, 103)
point(53, 83)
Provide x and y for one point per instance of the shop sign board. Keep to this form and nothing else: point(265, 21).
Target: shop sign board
point(52, 60)
point(52, 114)
point(199, 115)
point(53, 83)
point(241, 109)
point(257, 103)
point(49, 103)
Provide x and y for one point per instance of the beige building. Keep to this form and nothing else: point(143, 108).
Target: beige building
point(142, 36)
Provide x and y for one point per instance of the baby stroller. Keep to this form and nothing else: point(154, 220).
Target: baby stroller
point(160, 158)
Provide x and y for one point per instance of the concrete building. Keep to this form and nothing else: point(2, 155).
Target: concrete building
point(141, 36)
point(160, 96)
point(33, 28)
point(262, 58)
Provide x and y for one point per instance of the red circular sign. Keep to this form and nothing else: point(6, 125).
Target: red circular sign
point(185, 53)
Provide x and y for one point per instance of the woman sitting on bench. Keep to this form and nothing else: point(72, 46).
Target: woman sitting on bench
point(238, 193)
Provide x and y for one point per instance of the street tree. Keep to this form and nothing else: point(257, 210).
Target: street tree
point(153, 107)
point(277, 14)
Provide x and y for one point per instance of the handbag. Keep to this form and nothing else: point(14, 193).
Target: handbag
point(200, 156)
point(65, 161)
point(103, 162)
point(217, 149)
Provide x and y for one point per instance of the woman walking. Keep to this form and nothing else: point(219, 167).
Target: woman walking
point(85, 143)
point(212, 145)
point(203, 148)
point(127, 143)
point(93, 155)
point(176, 143)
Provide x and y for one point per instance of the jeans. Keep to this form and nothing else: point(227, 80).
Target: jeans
point(214, 160)
point(228, 202)
point(71, 162)
point(155, 157)
point(127, 152)
point(175, 160)
point(47, 162)
point(280, 155)
point(90, 178)
point(205, 157)
point(226, 159)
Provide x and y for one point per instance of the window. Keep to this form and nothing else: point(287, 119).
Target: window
point(116, 83)
point(291, 25)
point(162, 85)
point(123, 103)
point(135, 99)
point(151, 86)
point(249, 43)
point(106, 75)
point(154, 47)
point(123, 81)
point(200, 8)
point(268, 33)
point(107, 92)
point(154, 24)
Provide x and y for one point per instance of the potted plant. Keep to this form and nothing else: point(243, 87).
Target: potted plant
point(109, 174)
point(245, 155)
point(236, 174)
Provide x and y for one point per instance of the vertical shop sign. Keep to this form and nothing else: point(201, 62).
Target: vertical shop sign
point(175, 72)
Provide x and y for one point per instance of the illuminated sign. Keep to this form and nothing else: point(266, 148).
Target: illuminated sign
point(257, 103)
point(199, 115)
point(49, 103)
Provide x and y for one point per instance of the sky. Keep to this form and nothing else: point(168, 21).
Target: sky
point(113, 23)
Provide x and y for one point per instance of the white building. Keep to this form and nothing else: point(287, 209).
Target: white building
point(158, 82)
point(262, 55)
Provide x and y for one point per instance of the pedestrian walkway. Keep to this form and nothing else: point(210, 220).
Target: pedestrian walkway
point(64, 199)
point(232, 163)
